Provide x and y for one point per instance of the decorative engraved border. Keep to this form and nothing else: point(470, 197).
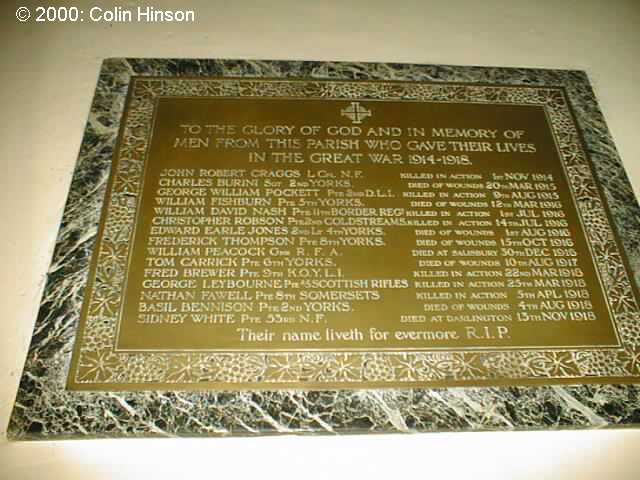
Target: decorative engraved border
point(97, 365)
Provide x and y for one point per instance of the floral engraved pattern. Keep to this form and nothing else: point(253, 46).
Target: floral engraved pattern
point(99, 363)
point(184, 368)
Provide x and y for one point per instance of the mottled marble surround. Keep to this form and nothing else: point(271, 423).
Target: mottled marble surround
point(46, 410)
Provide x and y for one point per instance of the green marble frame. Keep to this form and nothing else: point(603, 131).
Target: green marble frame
point(46, 409)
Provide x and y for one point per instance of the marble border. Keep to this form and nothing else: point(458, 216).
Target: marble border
point(45, 409)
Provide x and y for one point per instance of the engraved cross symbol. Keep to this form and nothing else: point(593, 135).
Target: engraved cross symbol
point(355, 112)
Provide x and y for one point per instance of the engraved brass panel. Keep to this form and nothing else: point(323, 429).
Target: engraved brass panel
point(350, 266)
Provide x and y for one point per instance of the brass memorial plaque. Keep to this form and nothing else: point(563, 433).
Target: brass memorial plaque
point(263, 233)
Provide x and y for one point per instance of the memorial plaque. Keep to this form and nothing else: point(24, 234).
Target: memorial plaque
point(325, 248)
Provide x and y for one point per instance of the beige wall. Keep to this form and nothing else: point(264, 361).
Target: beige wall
point(47, 77)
